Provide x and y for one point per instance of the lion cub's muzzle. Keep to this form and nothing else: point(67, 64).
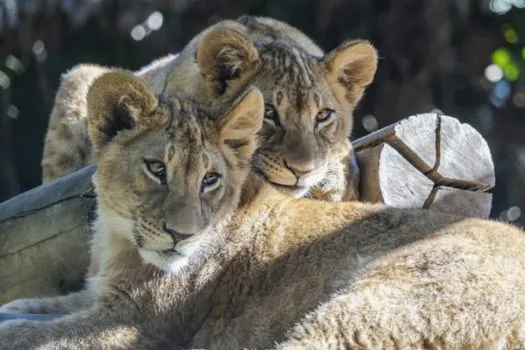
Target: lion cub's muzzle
point(292, 178)
point(301, 175)
point(175, 235)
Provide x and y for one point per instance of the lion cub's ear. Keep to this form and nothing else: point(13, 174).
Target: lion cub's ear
point(238, 128)
point(350, 68)
point(115, 101)
point(225, 57)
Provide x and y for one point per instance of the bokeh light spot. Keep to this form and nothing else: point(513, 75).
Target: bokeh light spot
point(493, 73)
point(519, 3)
point(500, 6)
point(14, 64)
point(513, 213)
point(510, 35)
point(512, 72)
point(501, 57)
point(39, 49)
point(155, 20)
point(138, 32)
point(369, 123)
point(5, 82)
point(13, 112)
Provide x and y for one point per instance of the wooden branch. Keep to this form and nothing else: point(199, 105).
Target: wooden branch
point(423, 161)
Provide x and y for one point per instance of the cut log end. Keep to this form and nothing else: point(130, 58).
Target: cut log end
point(428, 161)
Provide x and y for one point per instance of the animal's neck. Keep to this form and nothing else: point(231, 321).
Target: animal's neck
point(255, 189)
point(113, 250)
point(228, 238)
point(259, 201)
point(193, 292)
point(257, 198)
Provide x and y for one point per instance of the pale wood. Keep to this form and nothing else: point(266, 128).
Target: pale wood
point(473, 162)
point(44, 233)
point(413, 163)
point(407, 187)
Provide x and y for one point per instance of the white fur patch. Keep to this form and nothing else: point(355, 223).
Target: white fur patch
point(108, 220)
point(172, 263)
point(176, 262)
point(312, 178)
point(299, 193)
point(190, 246)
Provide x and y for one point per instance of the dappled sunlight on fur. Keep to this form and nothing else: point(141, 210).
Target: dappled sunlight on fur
point(300, 272)
point(268, 268)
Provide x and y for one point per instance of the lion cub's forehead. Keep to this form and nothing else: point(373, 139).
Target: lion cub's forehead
point(290, 65)
point(293, 79)
point(190, 129)
point(187, 122)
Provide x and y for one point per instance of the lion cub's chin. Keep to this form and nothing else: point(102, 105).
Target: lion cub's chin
point(173, 261)
point(292, 191)
point(304, 184)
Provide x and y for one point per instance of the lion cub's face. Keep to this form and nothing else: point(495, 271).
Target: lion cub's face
point(303, 122)
point(308, 100)
point(167, 171)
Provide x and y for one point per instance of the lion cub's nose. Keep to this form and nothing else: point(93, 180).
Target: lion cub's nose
point(300, 168)
point(177, 236)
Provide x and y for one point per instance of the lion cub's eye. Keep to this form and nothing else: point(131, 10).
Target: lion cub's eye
point(157, 169)
point(270, 115)
point(210, 182)
point(324, 116)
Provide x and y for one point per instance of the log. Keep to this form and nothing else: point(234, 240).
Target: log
point(44, 237)
point(428, 161)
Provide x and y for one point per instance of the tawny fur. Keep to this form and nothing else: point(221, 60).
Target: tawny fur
point(67, 146)
point(302, 273)
point(294, 76)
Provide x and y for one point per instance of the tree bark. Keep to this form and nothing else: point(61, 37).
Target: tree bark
point(427, 161)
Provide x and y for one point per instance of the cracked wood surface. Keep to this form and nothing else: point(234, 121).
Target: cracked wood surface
point(429, 161)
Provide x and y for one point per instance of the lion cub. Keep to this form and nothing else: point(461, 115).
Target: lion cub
point(197, 251)
point(167, 173)
point(309, 95)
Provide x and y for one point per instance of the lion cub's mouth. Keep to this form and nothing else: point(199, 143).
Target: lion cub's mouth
point(288, 187)
point(294, 190)
point(170, 251)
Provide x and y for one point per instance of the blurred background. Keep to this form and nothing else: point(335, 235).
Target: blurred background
point(465, 58)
